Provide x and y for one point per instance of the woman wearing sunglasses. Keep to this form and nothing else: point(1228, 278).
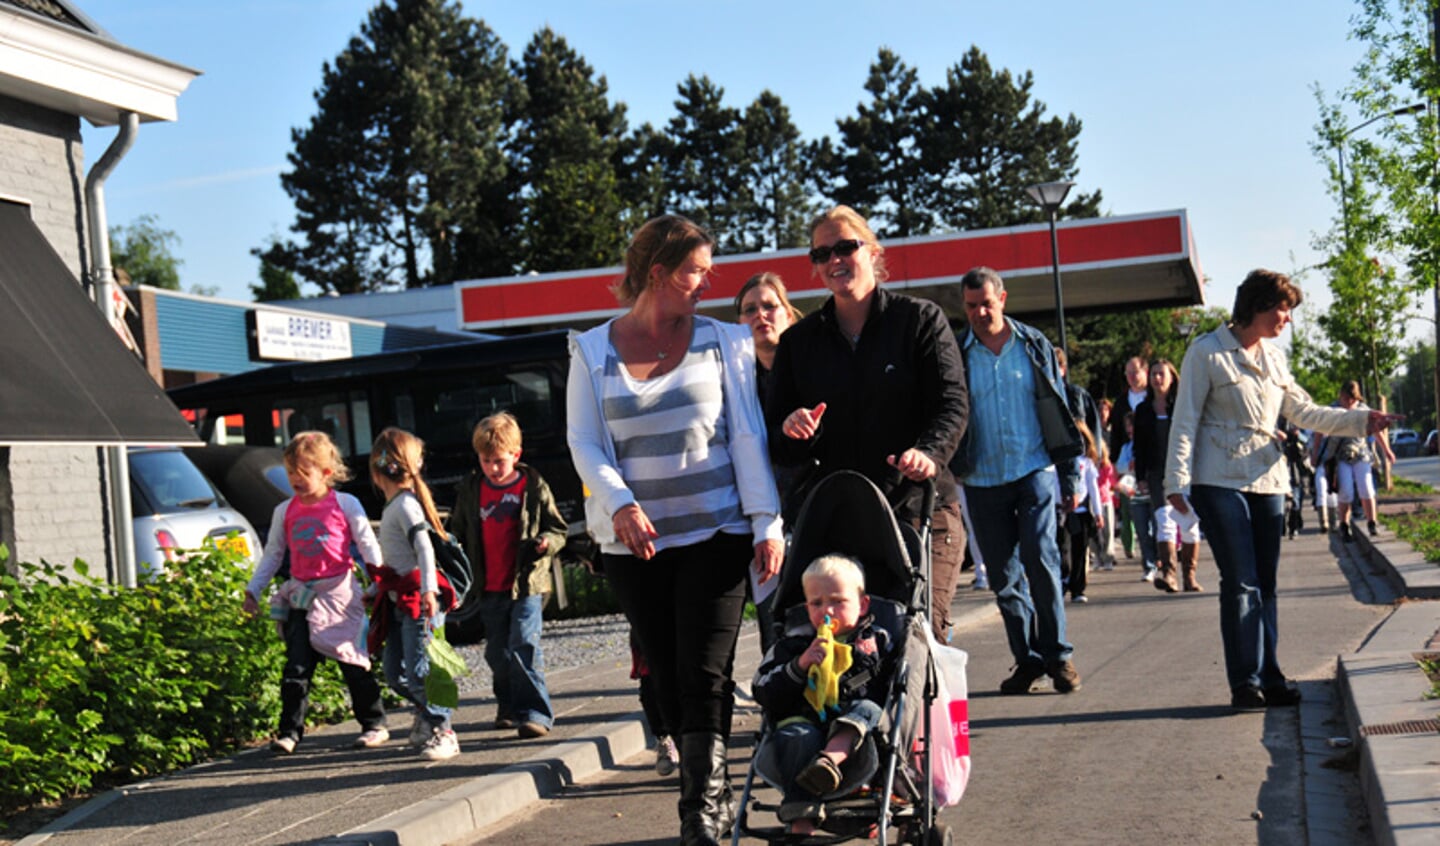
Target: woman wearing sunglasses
point(874, 382)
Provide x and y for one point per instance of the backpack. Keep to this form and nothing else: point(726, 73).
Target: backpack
point(450, 560)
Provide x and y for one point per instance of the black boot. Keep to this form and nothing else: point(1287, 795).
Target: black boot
point(707, 809)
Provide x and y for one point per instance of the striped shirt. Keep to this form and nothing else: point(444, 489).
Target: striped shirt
point(672, 443)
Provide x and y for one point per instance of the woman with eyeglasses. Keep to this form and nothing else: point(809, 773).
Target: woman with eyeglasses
point(764, 305)
point(874, 382)
point(666, 432)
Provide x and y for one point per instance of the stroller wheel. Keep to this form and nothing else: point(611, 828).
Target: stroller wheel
point(939, 835)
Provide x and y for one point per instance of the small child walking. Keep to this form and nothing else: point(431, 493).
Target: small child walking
point(412, 596)
point(506, 518)
point(1083, 522)
point(811, 751)
point(320, 608)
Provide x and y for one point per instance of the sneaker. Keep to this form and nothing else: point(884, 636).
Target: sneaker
point(1149, 576)
point(1246, 700)
point(1371, 526)
point(1022, 680)
point(980, 584)
point(440, 746)
point(503, 722)
point(370, 738)
point(667, 757)
point(1079, 600)
point(421, 732)
point(283, 745)
point(530, 729)
point(1282, 695)
point(1064, 676)
point(1345, 532)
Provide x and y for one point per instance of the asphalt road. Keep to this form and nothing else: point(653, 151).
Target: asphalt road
point(1147, 752)
point(1424, 469)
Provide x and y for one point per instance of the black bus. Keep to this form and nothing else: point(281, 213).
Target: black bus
point(438, 393)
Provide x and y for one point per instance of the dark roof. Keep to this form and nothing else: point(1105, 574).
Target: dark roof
point(60, 12)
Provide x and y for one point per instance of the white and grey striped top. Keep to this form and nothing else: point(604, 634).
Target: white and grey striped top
point(672, 443)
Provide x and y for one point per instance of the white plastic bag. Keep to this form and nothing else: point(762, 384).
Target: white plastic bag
point(949, 724)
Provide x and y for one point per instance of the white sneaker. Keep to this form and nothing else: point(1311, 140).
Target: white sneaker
point(371, 738)
point(667, 757)
point(421, 732)
point(440, 746)
point(282, 745)
point(1150, 576)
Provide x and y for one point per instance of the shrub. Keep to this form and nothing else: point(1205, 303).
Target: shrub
point(100, 684)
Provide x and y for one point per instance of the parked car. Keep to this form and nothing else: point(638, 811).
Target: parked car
point(1432, 442)
point(175, 509)
point(251, 478)
point(1405, 443)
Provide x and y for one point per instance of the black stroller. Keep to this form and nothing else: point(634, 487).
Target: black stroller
point(888, 794)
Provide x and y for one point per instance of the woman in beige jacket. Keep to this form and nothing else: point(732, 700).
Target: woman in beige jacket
point(1227, 459)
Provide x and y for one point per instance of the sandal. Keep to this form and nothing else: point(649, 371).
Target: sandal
point(821, 776)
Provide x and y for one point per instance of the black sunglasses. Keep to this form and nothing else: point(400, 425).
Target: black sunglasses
point(844, 249)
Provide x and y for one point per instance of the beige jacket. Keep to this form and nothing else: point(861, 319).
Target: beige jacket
point(1223, 430)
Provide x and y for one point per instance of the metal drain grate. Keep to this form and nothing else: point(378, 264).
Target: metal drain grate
point(1403, 727)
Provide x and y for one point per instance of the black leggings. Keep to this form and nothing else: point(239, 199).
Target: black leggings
point(684, 606)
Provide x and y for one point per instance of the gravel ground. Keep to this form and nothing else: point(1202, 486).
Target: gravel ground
point(567, 643)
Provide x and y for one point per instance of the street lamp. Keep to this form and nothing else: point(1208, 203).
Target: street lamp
point(1339, 142)
point(1049, 196)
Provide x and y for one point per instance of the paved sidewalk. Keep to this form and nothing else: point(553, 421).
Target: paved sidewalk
point(329, 793)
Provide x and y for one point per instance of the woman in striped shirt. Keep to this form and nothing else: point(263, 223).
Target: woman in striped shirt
point(666, 432)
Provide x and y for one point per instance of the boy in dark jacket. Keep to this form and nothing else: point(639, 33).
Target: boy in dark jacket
point(814, 734)
point(506, 518)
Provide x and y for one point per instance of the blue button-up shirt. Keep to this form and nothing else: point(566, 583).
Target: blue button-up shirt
point(1008, 442)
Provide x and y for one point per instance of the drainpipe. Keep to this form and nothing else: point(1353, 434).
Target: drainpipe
point(104, 289)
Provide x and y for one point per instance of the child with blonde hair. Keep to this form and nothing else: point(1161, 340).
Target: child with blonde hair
point(813, 745)
point(319, 609)
point(506, 518)
point(412, 595)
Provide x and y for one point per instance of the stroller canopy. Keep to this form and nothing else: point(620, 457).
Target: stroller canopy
point(846, 513)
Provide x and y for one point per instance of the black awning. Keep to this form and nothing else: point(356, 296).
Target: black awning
point(65, 377)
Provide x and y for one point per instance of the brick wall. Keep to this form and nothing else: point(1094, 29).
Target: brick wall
point(51, 495)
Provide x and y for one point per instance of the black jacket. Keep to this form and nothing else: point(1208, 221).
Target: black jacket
point(901, 386)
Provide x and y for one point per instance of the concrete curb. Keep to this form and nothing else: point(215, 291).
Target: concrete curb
point(1393, 725)
point(461, 811)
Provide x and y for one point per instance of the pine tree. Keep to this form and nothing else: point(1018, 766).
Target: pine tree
point(704, 156)
point(398, 178)
point(875, 168)
point(776, 164)
point(983, 140)
point(567, 145)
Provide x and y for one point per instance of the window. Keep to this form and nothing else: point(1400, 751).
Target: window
point(450, 410)
point(344, 417)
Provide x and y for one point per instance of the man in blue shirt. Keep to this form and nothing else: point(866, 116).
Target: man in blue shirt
point(1021, 435)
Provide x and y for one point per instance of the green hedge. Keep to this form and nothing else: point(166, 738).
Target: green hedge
point(100, 684)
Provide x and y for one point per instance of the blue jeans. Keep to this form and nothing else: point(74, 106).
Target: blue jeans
point(797, 743)
point(1142, 514)
point(1015, 526)
point(1244, 530)
point(517, 664)
point(407, 665)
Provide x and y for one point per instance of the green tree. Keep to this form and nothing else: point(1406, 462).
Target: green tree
point(704, 155)
point(1414, 390)
point(875, 166)
point(776, 164)
point(276, 283)
point(983, 139)
point(399, 176)
point(146, 253)
point(567, 141)
point(1385, 248)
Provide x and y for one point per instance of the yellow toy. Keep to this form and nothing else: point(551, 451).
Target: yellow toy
point(822, 687)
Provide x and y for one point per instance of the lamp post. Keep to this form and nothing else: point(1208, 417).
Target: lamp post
point(1339, 142)
point(1049, 196)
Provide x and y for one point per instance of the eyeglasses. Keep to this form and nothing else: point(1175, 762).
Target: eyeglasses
point(752, 309)
point(844, 249)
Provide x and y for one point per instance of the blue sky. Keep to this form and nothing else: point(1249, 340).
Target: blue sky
point(1207, 107)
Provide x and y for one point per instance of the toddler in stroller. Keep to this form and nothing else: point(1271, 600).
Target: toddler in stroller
point(823, 687)
point(854, 757)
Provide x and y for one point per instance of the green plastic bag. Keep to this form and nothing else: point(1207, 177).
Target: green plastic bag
point(446, 666)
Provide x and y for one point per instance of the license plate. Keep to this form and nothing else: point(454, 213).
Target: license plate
point(237, 545)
